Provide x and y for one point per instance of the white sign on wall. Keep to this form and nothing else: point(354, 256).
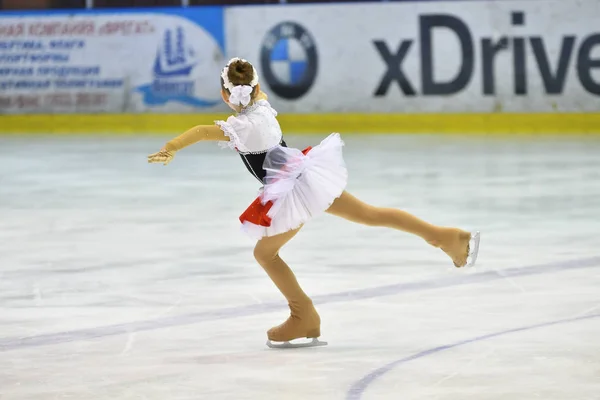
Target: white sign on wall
point(530, 56)
point(95, 62)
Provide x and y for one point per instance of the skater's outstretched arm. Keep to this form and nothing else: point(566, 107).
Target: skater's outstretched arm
point(193, 135)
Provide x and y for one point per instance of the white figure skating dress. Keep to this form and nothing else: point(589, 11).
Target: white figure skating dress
point(297, 185)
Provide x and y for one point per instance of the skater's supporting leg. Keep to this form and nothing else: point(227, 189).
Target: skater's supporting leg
point(452, 240)
point(304, 320)
point(266, 253)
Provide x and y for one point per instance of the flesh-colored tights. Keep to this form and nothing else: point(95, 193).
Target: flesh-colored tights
point(304, 320)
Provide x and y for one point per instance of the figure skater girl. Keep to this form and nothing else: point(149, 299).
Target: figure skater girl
point(296, 186)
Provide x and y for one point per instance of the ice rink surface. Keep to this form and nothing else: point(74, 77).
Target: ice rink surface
point(124, 280)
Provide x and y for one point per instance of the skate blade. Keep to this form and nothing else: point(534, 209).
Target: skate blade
point(289, 345)
point(473, 249)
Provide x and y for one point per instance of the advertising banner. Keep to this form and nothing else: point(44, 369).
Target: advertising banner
point(424, 57)
point(163, 60)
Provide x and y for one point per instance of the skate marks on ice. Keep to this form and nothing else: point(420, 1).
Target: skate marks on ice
point(458, 279)
point(358, 389)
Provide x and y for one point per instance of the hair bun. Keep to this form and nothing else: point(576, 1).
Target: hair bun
point(240, 72)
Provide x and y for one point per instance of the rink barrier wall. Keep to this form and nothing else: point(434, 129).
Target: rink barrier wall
point(505, 66)
point(173, 124)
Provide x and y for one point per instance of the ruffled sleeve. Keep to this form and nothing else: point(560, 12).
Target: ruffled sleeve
point(266, 104)
point(236, 129)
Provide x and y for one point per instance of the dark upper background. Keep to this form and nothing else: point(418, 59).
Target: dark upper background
point(58, 4)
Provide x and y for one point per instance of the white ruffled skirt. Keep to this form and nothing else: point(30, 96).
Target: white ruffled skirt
point(298, 186)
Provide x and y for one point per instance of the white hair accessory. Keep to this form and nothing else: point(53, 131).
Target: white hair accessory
point(241, 95)
point(227, 83)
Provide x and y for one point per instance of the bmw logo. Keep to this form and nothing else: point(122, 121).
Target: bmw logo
point(289, 60)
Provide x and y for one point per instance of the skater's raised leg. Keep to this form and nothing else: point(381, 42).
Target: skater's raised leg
point(453, 241)
point(304, 321)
